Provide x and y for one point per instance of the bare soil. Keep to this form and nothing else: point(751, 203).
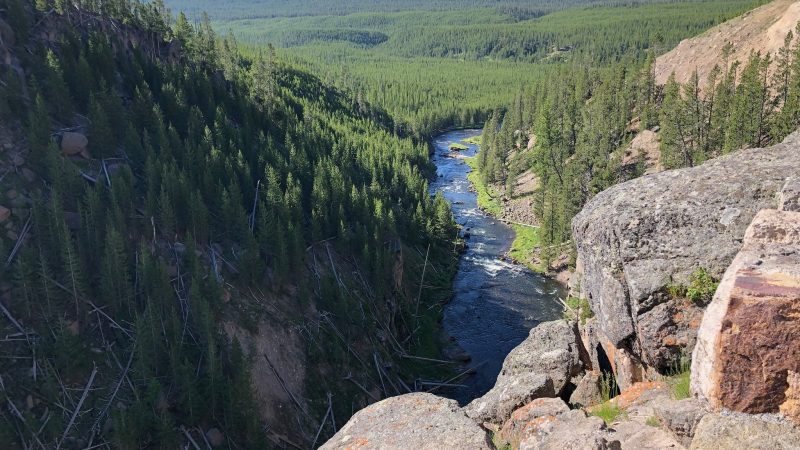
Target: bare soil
point(760, 30)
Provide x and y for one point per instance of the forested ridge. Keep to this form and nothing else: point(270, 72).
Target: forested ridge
point(217, 191)
point(579, 122)
point(434, 67)
point(244, 9)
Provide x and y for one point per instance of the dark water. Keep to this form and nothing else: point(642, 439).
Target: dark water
point(496, 303)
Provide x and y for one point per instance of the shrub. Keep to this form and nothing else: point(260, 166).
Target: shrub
point(579, 307)
point(701, 287)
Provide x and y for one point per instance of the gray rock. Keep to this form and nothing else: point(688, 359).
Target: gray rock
point(551, 349)
point(524, 420)
point(667, 332)
point(588, 391)
point(572, 430)
point(634, 436)
point(680, 417)
point(411, 421)
point(497, 405)
point(73, 143)
point(790, 195)
point(636, 237)
point(743, 431)
point(541, 366)
point(215, 437)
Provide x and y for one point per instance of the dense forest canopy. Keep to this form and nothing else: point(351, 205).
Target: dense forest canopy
point(442, 64)
point(210, 181)
point(581, 122)
point(248, 9)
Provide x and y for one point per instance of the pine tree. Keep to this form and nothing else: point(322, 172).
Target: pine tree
point(102, 143)
point(674, 149)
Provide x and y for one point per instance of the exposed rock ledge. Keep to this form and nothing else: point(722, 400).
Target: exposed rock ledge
point(636, 238)
point(411, 421)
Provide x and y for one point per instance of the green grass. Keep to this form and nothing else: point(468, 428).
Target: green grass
point(679, 380)
point(701, 287)
point(487, 198)
point(652, 422)
point(474, 140)
point(455, 146)
point(607, 410)
point(526, 241)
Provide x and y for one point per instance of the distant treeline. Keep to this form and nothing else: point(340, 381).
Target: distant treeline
point(249, 9)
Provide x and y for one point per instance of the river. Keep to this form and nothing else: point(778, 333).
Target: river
point(496, 302)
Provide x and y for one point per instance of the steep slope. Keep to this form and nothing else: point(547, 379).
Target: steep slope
point(760, 30)
point(198, 245)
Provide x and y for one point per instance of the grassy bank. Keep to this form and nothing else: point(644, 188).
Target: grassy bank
point(474, 140)
point(526, 239)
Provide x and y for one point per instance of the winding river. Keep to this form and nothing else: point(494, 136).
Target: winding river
point(496, 302)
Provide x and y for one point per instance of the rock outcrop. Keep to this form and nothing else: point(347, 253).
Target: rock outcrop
point(636, 239)
point(570, 430)
point(742, 431)
point(411, 421)
point(749, 342)
point(790, 195)
point(541, 366)
point(526, 420)
point(587, 393)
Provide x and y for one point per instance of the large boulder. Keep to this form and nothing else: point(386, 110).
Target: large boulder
point(410, 421)
point(541, 366)
point(639, 237)
point(680, 417)
point(587, 393)
point(749, 341)
point(74, 144)
point(743, 431)
point(570, 430)
point(497, 405)
point(527, 420)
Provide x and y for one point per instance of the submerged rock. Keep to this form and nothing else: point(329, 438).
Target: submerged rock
point(412, 421)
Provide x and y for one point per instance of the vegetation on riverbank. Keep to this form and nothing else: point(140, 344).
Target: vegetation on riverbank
point(526, 238)
point(474, 140)
point(487, 198)
point(526, 241)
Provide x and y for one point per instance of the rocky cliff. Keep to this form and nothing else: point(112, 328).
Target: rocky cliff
point(640, 242)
